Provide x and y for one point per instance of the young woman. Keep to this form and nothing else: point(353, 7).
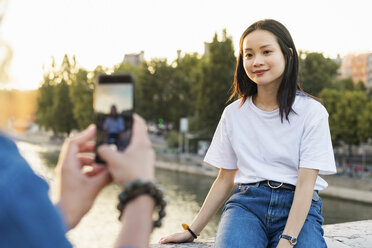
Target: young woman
point(272, 143)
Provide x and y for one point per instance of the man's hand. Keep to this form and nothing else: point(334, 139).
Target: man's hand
point(79, 178)
point(136, 162)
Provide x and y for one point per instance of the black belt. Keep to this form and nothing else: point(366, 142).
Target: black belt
point(272, 184)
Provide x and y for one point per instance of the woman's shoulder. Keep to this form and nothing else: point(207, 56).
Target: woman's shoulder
point(309, 106)
point(235, 105)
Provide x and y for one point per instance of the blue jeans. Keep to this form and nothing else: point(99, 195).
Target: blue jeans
point(255, 217)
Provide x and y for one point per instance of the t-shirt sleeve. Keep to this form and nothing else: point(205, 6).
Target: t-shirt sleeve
point(220, 153)
point(316, 151)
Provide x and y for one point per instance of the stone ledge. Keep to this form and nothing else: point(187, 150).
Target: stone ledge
point(346, 235)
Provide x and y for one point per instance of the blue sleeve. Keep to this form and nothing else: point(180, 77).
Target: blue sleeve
point(27, 216)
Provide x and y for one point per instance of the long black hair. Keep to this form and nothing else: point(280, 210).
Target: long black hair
point(245, 87)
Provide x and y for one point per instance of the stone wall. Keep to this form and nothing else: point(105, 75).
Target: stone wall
point(346, 235)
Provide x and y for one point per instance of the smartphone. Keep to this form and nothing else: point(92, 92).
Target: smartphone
point(113, 108)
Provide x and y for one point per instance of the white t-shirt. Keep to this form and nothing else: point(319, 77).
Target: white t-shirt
point(263, 148)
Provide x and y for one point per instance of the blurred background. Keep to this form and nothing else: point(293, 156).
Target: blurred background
point(182, 55)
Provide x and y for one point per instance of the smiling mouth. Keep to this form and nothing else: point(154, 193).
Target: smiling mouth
point(260, 72)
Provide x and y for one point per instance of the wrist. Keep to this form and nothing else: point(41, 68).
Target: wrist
point(139, 191)
point(122, 181)
point(70, 217)
point(291, 240)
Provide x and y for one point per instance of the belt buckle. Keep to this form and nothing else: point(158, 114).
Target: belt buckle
point(274, 187)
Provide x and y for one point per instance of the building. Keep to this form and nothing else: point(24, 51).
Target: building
point(134, 58)
point(358, 67)
point(369, 71)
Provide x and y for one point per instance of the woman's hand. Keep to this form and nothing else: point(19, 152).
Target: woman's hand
point(78, 188)
point(181, 237)
point(284, 244)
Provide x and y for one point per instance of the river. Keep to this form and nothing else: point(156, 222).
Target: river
point(185, 194)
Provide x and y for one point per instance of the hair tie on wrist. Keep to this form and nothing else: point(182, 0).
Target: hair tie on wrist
point(187, 227)
point(133, 189)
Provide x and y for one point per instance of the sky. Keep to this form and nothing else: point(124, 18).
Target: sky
point(114, 94)
point(100, 32)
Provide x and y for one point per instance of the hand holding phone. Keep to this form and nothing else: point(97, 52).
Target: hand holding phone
point(114, 107)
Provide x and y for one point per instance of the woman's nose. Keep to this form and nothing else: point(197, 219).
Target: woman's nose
point(258, 60)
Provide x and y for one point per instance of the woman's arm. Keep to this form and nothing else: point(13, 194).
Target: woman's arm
point(301, 204)
point(217, 195)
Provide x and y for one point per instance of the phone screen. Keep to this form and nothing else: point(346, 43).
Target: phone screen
point(114, 106)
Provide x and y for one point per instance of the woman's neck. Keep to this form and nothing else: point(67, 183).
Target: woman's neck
point(266, 99)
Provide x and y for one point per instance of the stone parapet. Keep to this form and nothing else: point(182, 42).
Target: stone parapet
point(346, 235)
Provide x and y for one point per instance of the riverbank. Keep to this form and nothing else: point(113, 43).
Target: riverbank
point(340, 187)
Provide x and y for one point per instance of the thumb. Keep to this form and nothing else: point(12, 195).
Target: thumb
point(107, 153)
point(102, 177)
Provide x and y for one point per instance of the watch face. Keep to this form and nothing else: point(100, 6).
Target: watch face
point(293, 241)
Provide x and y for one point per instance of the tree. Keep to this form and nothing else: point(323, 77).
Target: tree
point(156, 82)
point(64, 121)
point(349, 107)
point(344, 84)
point(360, 86)
point(316, 72)
point(331, 98)
point(217, 74)
point(55, 107)
point(135, 71)
point(187, 75)
point(81, 94)
point(44, 109)
point(365, 123)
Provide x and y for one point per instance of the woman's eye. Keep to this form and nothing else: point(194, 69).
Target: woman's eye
point(248, 55)
point(267, 52)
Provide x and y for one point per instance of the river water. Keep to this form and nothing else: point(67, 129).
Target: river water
point(185, 194)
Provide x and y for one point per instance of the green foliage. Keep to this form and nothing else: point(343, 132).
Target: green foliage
point(198, 88)
point(360, 86)
point(316, 72)
point(166, 91)
point(350, 106)
point(64, 121)
point(54, 105)
point(44, 111)
point(156, 84)
point(365, 123)
point(173, 139)
point(344, 84)
point(81, 94)
point(217, 74)
point(348, 115)
point(330, 99)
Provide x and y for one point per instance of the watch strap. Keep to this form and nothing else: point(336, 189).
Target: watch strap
point(292, 240)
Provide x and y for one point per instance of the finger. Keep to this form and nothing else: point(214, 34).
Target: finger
point(167, 239)
point(85, 160)
point(107, 153)
point(93, 169)
point(139, 131)
point(100, 176)
point(87, 147)
point(85, 136)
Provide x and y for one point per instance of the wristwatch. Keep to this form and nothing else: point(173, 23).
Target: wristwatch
point(292, 240)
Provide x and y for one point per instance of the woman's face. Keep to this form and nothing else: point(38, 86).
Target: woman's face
point(263, 59)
